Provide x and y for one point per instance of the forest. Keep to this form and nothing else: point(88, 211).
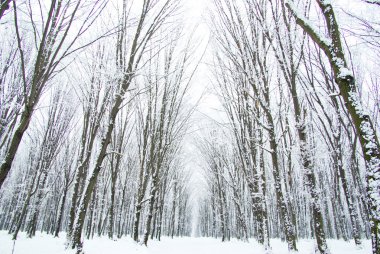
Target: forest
point(244, 121)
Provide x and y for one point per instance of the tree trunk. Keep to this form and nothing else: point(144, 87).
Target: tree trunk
point(58, 224)
point(15, 142)
point(173, 211)
point(32, 225)
point(152, 201)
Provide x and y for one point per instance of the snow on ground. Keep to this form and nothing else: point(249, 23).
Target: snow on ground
point(46, 244)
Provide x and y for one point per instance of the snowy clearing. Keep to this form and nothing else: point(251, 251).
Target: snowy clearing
point(46, 244)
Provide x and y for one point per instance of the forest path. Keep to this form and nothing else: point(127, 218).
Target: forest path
point(47, 244)
point(191, 245)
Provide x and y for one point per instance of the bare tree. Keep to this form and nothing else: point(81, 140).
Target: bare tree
point(289, 61)
point(333, 49)
point(248, 66)
point(53, 47)
point(158, 12)
point(95, 96)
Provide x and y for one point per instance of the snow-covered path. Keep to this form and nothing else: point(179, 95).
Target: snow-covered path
point(46, 244)
point(199, 246)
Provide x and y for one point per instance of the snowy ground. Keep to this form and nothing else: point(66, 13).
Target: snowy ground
point(46, 244)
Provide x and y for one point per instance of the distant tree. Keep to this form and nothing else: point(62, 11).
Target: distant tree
point(56, 130)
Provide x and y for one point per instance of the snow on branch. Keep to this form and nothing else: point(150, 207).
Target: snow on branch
point(309, 28)
point(377, 2)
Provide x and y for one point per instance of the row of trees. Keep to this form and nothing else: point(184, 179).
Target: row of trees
point(302, 159)
point(93, 117)
point(94, 114)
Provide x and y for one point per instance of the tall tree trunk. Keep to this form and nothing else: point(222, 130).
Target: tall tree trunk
point(32, 225)
point(346, 190)
point(280, 197)
point(152, 201)
point(58, 223)
point(308, 167)
point(262, 187)
point(173, 211)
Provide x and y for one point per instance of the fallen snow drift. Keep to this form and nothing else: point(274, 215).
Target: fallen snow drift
point(46, 244)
